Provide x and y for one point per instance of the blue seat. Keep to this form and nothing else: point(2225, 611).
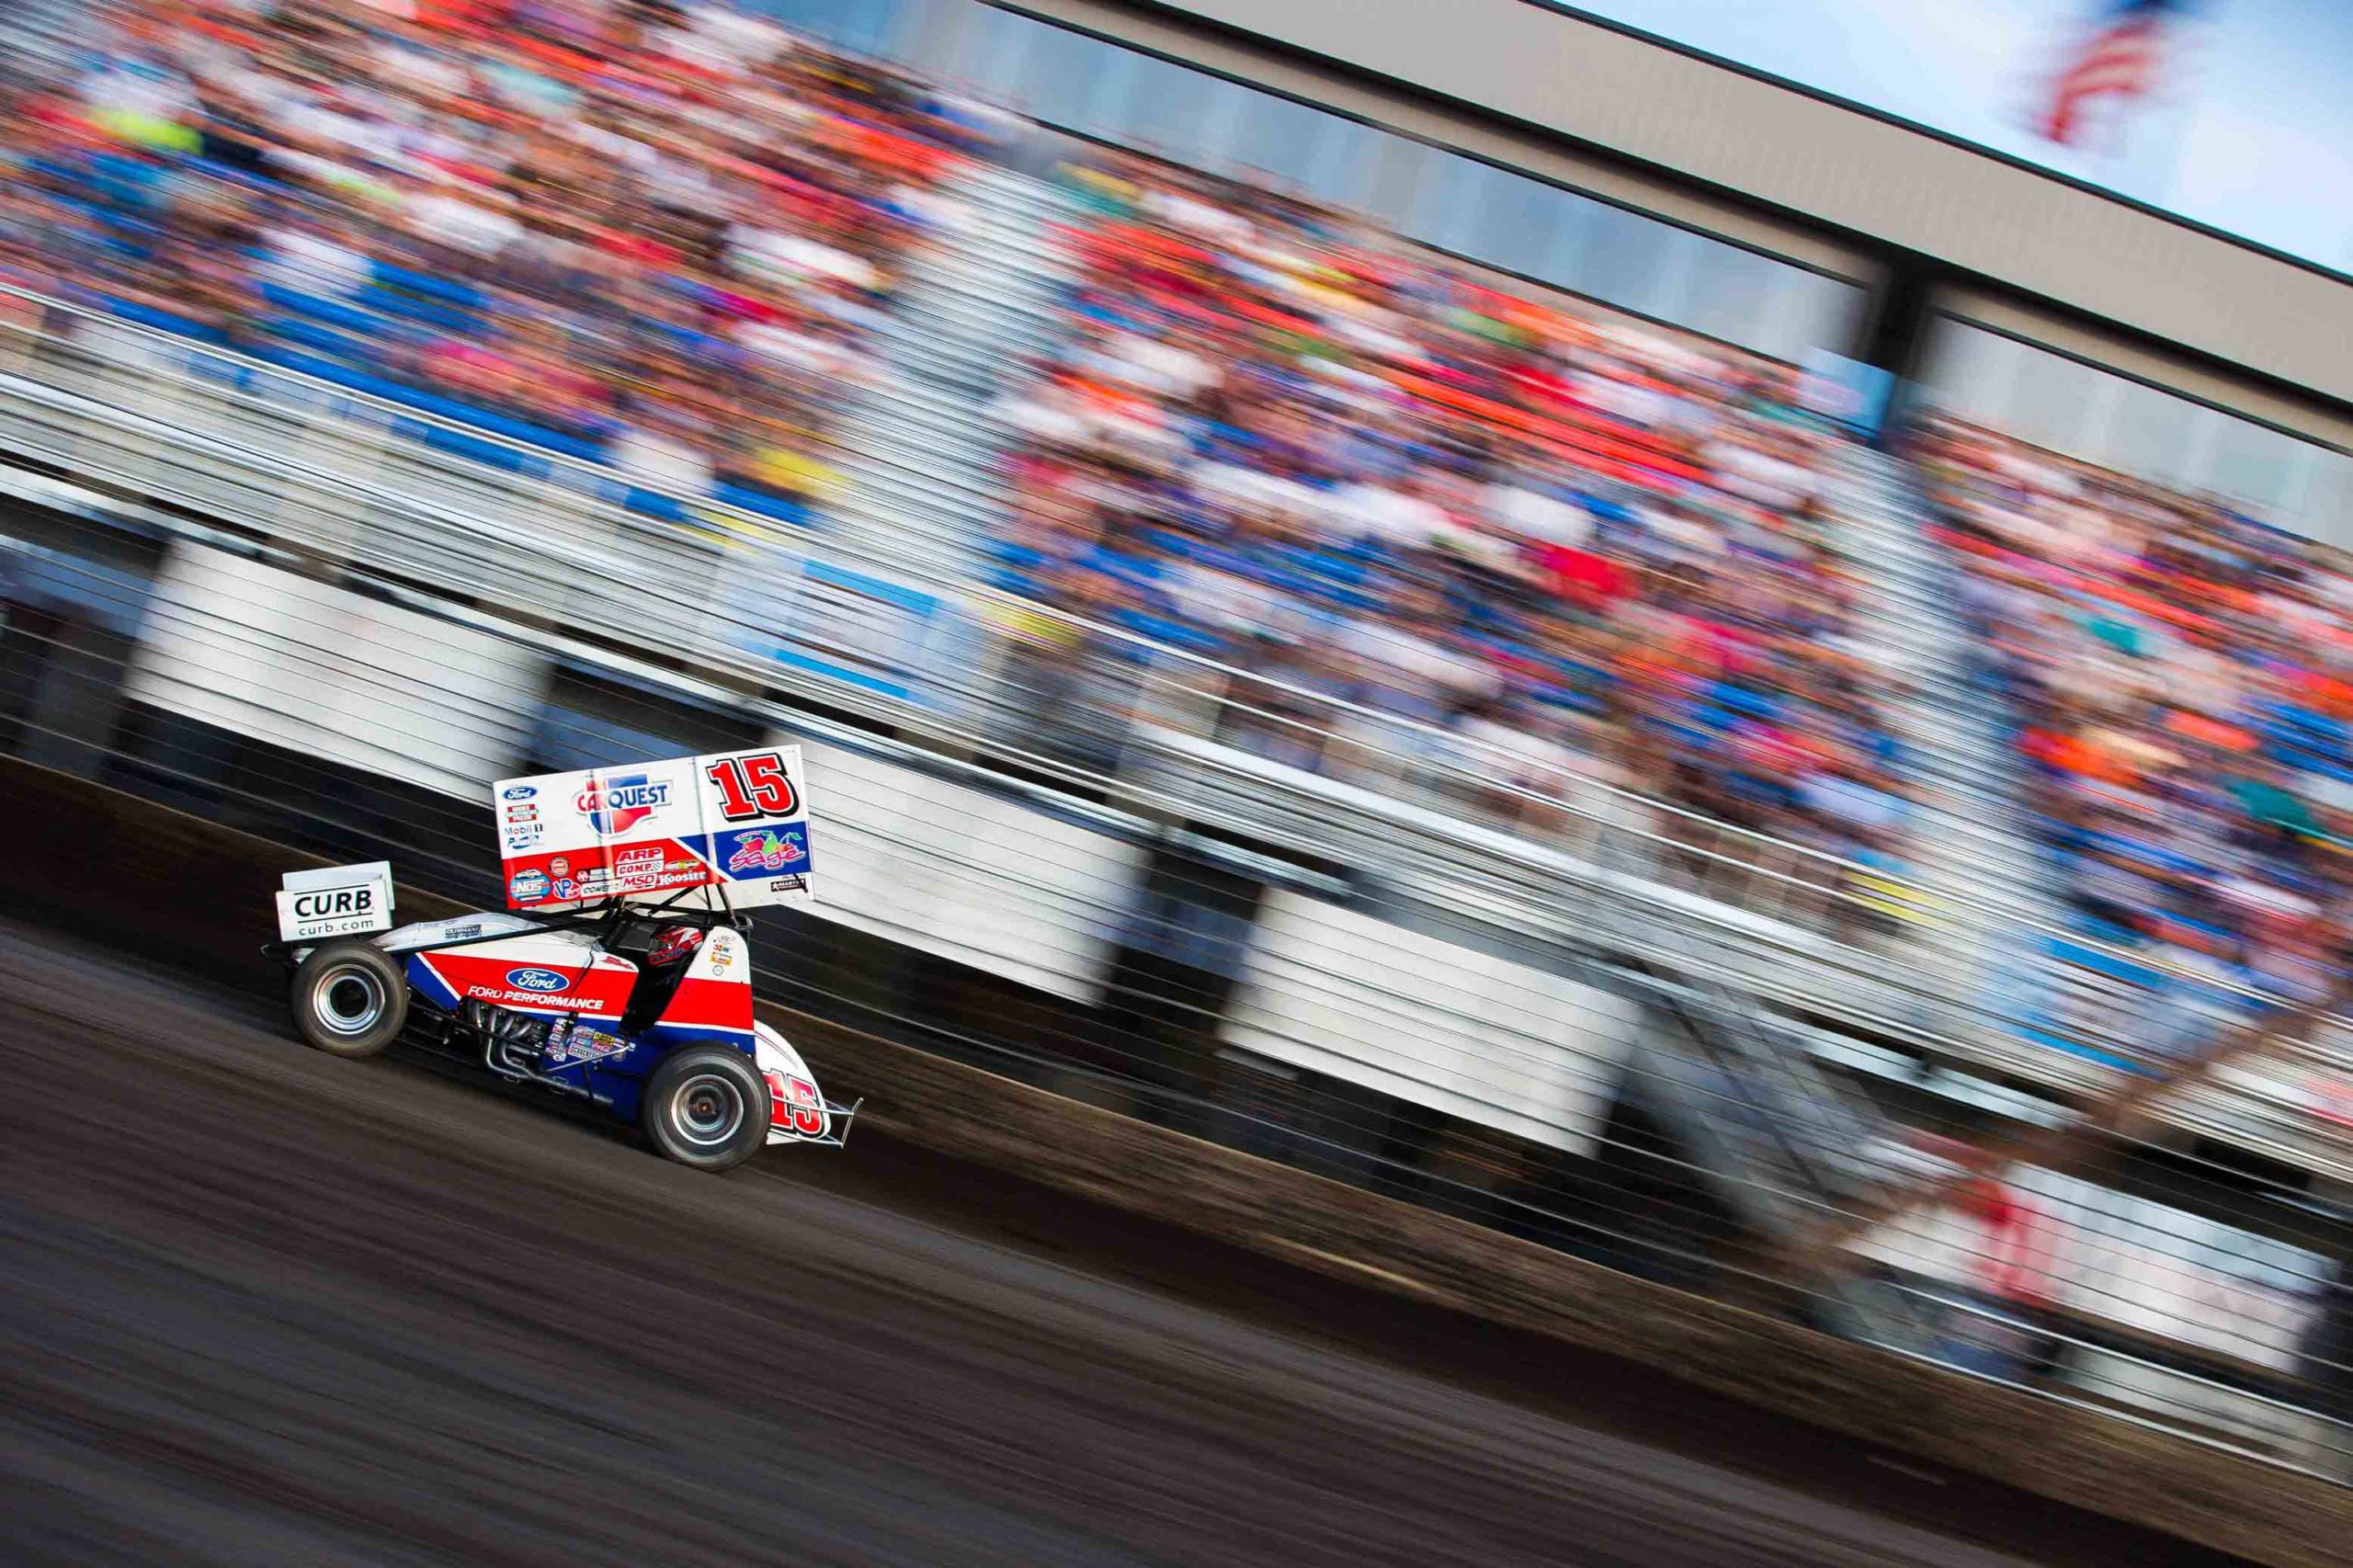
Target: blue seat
point(1608, 511)
point(428, 287)
point(57, 169)
point(1169, 541)
point(2213, 932)
point(358, 352)
point(1141, 571)
point(320, 308)
point(1341, 566)
point(701, 343)
point(401, 306)
point(2035, 1035)
point(1162, 628)
point(474, 448)
point(124, 167)
point(644, 502)
point(163, 320)
point(784, 509)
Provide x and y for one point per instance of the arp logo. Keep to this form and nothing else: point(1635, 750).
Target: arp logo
point(537, 980)
point(616, 805)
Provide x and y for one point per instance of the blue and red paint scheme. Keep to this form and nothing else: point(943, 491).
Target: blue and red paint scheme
point(512, 962)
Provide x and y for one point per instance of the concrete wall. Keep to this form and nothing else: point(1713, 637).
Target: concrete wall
point(328, 672)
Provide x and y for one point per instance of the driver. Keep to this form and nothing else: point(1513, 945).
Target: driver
point(673, 944)
point(662, 971)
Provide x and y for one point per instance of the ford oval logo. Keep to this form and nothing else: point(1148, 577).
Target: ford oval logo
point(535, 980)
point(518, 792)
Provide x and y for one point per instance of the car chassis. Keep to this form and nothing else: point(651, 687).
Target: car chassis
point(638, 1000)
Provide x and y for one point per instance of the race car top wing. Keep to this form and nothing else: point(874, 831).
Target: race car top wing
point(732, 820)
point(756, 809)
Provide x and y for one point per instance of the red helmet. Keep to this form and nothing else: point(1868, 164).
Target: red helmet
point(674, 944)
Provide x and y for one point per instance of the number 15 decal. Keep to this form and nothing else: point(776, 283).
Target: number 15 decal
point(795, 1104)
point(754, 787)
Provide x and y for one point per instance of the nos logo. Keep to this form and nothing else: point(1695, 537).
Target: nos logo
point(535, 980)
point(616, 805)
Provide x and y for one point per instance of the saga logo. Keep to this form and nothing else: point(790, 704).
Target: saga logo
point(517, 792)
point(537, 980)
point(618, 804)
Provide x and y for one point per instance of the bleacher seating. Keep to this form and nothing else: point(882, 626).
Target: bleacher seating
point(1274, 437)
point(2179, 678)
point(657, 245)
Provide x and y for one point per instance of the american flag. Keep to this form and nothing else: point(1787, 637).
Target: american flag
point(2121, 58)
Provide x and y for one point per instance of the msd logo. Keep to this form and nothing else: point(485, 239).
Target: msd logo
point(535, 980)
point(616, 805)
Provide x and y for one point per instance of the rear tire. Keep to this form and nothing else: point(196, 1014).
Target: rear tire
point(350, 998)
point(707, 1106)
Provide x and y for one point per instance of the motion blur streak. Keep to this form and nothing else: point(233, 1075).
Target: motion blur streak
point(282, 1333)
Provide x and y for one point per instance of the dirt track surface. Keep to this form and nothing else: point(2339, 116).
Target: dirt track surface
point(260, 1306)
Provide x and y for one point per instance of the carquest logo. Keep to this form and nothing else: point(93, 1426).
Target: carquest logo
point(616, 805)
point(535, 980)
point(518, 792)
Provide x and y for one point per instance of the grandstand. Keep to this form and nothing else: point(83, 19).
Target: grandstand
point(691, 318)
point(656, 248)
point(2175, 671)
point(1276, 439)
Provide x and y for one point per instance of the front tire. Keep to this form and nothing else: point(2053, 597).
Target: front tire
point(349, 999)
point(707, 1106)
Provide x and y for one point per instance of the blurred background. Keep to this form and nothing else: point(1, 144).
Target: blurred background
point(1729, 656)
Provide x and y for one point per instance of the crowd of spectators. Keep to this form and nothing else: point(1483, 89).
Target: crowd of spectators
point(655, 235)
point(658, 237)
point(2181, 680)
point(1587, 548)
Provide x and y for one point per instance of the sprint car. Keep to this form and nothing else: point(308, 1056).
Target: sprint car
point(620, 972)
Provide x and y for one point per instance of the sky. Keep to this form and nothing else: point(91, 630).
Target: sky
point(2251, 132)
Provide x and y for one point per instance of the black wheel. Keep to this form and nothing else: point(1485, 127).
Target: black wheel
point(707, 1106)
point(350, 998)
